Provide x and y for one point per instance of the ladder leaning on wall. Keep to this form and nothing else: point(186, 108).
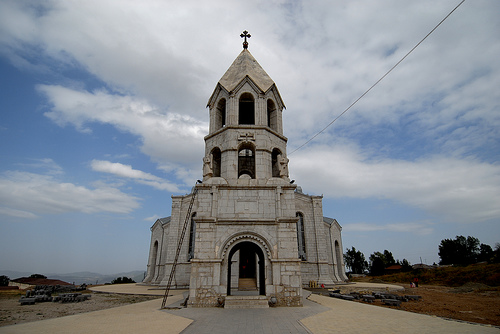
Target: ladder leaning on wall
point(179, 246)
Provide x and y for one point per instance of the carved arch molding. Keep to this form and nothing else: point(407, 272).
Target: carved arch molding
point(231, 242)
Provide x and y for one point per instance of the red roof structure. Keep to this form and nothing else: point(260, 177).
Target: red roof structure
point(39, 281)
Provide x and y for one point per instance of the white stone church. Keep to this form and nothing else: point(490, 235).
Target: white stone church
point(252, 230)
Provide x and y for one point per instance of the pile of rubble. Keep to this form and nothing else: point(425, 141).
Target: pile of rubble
point(43, 293)
point(386, 298)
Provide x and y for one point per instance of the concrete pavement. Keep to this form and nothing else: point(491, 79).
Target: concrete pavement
point(319, 315)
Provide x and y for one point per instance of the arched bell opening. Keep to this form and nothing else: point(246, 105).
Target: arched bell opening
point(216, 162)
point(246, 160)
point(251, 269)
point(220, 115)
point(246, 113)
point(272, 117)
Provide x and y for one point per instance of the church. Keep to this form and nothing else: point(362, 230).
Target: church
point(251, 230)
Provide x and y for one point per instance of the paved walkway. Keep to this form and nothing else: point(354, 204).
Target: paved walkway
point(319, 315)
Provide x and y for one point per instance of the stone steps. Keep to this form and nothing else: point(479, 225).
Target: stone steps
point(246, 302)
point(247, 284)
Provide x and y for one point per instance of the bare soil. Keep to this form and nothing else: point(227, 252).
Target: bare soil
point(472, 302)
point(12, 312)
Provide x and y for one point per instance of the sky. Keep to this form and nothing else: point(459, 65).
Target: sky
point(103, 115)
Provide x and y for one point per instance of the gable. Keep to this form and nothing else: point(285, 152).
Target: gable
point(245, 65)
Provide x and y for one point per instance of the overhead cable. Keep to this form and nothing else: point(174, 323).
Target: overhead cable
point(376, 83)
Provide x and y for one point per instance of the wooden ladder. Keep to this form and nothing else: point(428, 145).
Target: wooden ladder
point(179, 246)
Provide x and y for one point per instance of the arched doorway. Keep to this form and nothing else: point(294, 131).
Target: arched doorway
point(251, 268)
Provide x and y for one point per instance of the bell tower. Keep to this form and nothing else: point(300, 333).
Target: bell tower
point(245, 140)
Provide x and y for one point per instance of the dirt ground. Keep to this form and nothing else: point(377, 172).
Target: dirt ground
point(12, 312)
point(476, 303)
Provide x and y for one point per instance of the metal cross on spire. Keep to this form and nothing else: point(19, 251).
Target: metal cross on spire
point(245, 34)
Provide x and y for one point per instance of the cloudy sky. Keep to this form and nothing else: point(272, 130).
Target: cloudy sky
point(103, 117)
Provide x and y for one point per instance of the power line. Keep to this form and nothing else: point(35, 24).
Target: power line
point(376, 83)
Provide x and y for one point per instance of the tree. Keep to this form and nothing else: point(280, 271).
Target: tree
point(388, 258)
point(379, 261)
point(355, 260)
point(4, 280)
point(122, 280)
point(485, 253)
point(496, 254)
point(38, 276)
point(405, 265)
point(377, 264)
point(459, 251)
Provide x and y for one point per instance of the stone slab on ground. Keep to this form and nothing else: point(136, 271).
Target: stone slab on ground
point(132, 289)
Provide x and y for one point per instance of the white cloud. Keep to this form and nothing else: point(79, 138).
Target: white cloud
point(17, 213)
point(51, 167)
point(127, 171)
point(417, 228)
point(24, 194)
point(170, 139)
point(153, 218)
point(459, 190)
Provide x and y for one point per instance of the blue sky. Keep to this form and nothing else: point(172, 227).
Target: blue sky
point(103, 117)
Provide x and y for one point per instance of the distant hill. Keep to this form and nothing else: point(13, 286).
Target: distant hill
point(79, 277)
point(15, 274)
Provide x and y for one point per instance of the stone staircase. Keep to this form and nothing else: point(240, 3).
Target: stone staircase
point(247, 284)
point(246, 302)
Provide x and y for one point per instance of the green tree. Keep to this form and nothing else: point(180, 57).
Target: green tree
point(459, 251)
point(496, 254)
point(485, 253)
point(379, 261)
point(38, 276)
point(4, 280)
point(122, 280)
point(355, 260)
point(388, 258)
point(405, 265)
point(377, 264)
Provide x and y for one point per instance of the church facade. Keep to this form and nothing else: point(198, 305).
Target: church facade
point(251, 230)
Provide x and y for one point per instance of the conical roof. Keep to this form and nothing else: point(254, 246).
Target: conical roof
point(245, 65)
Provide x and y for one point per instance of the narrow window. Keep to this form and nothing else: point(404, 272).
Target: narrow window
point(216, 162)
point(247, 109)
point(153, 264)
point(192, 236)
point(301, 240)
point(246, 161)
point(275, 164)
point(220, 116)
point(272, 118)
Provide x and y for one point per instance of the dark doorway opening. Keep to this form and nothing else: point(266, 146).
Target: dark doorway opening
point(251, 268)
point(247, 263)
